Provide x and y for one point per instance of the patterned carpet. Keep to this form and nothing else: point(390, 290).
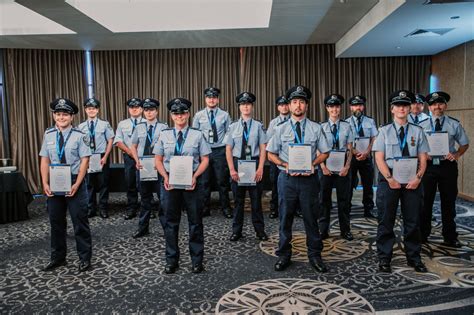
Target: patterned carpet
point(128, 277)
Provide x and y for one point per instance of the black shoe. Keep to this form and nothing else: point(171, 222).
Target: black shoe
point(262, 236)
point(299, 214)
point(171, 268)
point(206, 212)
point(324, 236)
point(273, 214)
point(235, 237)
point(153, 215)
point(104, 214)
point(141, 233)
point(130, 216)
point(84, 266)
point(227, 213)
point(368, 214)
point(318, 264)
point(54, 264)
point(198, 268)
point(347, 236)
point(419, 266)
point(454, 243)
point(282, 264)
point(384, 266)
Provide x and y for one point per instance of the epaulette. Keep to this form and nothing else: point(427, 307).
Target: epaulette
point(282, 122)
point(368, 117)
point(233, 122)
point(344, 121)
point(412, 124)
point(50, 129)
point(167, 129)
point(385, 124)
point(77, 130)
point(142, 123)
point(454, 118)
point(194, 128)
point(423, 120)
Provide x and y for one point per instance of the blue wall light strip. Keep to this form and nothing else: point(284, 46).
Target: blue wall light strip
point(89, 76)
point(433, 83)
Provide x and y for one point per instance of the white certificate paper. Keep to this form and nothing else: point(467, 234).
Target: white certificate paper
point(335, 161)
point(404, 169)
point(439, 143)
point(60, 180)
point(247, 170)
point(148, 171)
point(299, 158)
point(181, 172)
point(361, 144)
point(94, 163)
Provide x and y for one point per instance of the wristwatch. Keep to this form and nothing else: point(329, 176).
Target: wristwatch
point(388, 177)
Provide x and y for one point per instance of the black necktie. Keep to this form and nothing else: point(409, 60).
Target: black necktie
point(359, 126)
point(180, 144)
point(61, 145)
point(405, 147)
point(416, 120)
point(244, 142)
point(213, 126)
point(91, 135)
point(438, 125)
point(147, 150)
point(298, 132)
point(334, 135)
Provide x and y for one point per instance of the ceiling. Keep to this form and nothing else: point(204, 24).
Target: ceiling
point(357, 27)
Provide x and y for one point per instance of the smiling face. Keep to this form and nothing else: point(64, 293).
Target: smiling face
point(357, 109)
point(400, 111)
point(63, 120)
point(212, 101)
point(181, 119)
point(91, 112)
point(298, 107)
point(283, 109)
point(438, 109)
point(334, 111)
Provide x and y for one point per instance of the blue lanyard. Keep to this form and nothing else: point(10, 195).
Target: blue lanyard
point(335, 139)
point(357, 128)
point(135, 125)
point(152, 133)
point(92, 134)
point(247, 134)
point(433, 126)
point(179, 148)
point(58, 151)
point(213, 121)
point(298, 140)
point(401, 143)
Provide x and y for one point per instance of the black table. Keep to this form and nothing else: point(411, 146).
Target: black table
point(14, 197)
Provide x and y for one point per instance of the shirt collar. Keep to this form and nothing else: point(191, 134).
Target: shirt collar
point(94, 120)
point(66, 131)
point(302, 121)
point(397, 126)
point(283, 117)
point(333, 122)
point(182, 130)
point(434, 117)
point(152, 123)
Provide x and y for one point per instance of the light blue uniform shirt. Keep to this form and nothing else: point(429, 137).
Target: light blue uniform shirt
point(421, 116)
point(234, 135)
point(368, 125)
point(202, 122)
point(140, 134)
point(77, 147)
point(345, 133)
point(194, 145)
point(103, 133)
point(388, 142)
point(125, 130)
point(284, 136)
point(455, 131)
point(274, 122)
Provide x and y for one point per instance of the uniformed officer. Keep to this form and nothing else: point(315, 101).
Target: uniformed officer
point(63, 144)
point(442, 172)
point(123, 140)
point(396, 140)
point(101, 136)
point(416, 111)
point(339, 134)
point(182, 141)
point(362, 127)
point(245, 140)
point(302, 188)
point(213, 122)
point(144, 139)
point(284, 110)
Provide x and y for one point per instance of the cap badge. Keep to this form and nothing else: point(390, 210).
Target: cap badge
point(299, 89)
point(62, 102)
point(402, 94)
point(435, 95)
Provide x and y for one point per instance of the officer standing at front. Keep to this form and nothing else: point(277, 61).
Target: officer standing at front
point(123, 140)
point(63, 144)
point(245, 140)
point(395, 140)
point(144, 138)
point(185, 141)
point(339, 134)
point(101, 137)
point(302, 189)
point(214, 122)
point(284, 110)
point(416, 110)
point(362, 126)
point(442, 173)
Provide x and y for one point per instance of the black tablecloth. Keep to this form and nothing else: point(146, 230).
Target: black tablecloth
point(14, 197)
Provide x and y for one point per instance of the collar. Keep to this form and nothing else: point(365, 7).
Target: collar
point(355, 118)
point(333, 122)
point(66, 131)
point(94, 120)
point(182, 130)
point(302, 121)
point(397, 126)
point(246, 120)
point(208, 110)
point(283, 117)
point(434, 117)
point(152, 123)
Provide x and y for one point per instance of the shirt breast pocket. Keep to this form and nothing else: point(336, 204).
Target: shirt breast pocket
point(392, 149)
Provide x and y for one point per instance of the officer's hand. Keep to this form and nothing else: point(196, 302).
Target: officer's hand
point(258, 175)
point(326, 171)
point(452, 156)
point(394, 184)
point(344, 171)
point(138, 165)
point(414, 183)
point(235, 175)
point(47, 190)
point(308, 174)
point(73, 190)
point(193, 185)
point(359, 156)
point(103, 161)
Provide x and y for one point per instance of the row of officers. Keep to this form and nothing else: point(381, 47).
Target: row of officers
point(217, 145)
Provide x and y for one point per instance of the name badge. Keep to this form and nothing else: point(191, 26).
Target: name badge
point(248, 153)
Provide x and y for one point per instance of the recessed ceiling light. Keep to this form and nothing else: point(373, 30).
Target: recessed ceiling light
point(399, 47)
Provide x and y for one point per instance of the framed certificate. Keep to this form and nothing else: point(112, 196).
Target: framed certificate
point(181, 172)
point(336, 160)
point(148, 171)
point(247, 170)
point(60, 179)
point(94, 163)
point(361, 144)
point(404, 169)
point(299, 158)
point(439, 143)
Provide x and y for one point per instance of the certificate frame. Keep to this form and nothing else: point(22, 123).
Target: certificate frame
point(408, 167)
point(181, 178)
point(96, 167)
point(361, 146)
point(247, 179)
point(300, 162)
point(148, 172)
point(338, 166)
point(60, 179)
point(446, 150)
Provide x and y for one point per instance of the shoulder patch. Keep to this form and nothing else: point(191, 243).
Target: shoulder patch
point(86, 140)
point(453, 118)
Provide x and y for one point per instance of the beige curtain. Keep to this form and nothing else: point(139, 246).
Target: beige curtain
point(33, 79)
point(163, 74)
point(270, 71)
